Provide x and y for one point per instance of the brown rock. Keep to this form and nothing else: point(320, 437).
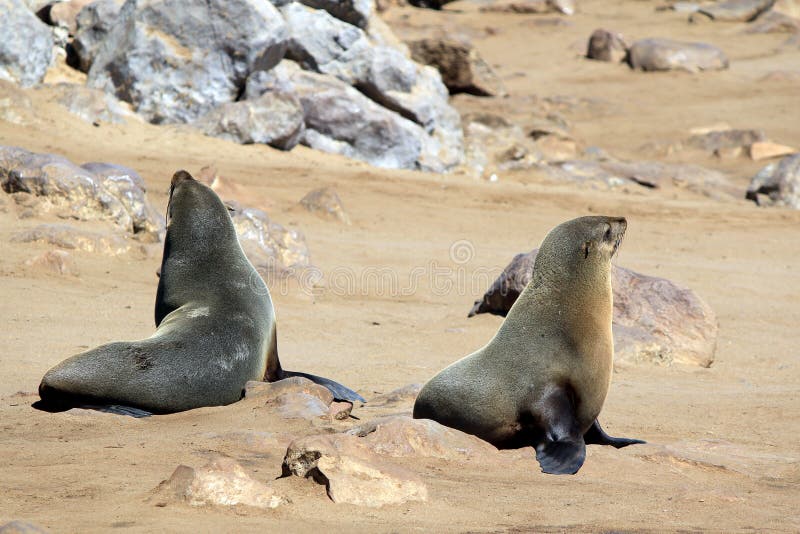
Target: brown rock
point(605, 45)
point(557, 148)
point(297, 398)
point(767, 149)
point(222, 482)
point(350, 472)
point(462, 68)
point(404, 395)
point(64, 13)
point(402, 436)
point(56, 261)
point(325, 202)
point(654, 321)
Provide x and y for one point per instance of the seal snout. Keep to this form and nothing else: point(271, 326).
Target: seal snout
point(180, 177)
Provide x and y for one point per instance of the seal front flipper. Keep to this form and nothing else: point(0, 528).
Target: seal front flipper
point(562, 449)
point(340, 392)
point(597, 436)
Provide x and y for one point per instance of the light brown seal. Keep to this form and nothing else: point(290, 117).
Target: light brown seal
point(543, 378)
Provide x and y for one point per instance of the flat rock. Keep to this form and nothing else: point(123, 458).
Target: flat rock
point(351, 473)
point(274, 118)
point(270, 247)
point(326, 203)
point(606, 45)
point(405, 395)
point(655, 320)
point(720, 140)
point(22, 527)
point(401, 436)
point(71, 238)
point(667, 54)
point(777, 184)
point(734, 10)
point(26, 49)
point(462, 68)
point(174, 66)
point(767, 149)
point(54, 261)
point(566, 7)
point(222, 482)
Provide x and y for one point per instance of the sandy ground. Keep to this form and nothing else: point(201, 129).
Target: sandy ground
point(733, 429)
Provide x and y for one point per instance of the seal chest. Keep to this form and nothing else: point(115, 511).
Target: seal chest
point(543, 378)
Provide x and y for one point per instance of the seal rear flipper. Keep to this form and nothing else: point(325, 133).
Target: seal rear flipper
point(597, 436)
point(340, 392)
point(561, 457)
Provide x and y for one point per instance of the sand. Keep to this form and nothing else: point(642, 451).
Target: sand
point(724, 442)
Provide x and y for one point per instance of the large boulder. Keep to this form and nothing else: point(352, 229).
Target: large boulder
point(668, 54)
point(92, 24)
point(655, 320)
point(175, 61)
point(274, 118)
point(777, 184)
point(26, 48)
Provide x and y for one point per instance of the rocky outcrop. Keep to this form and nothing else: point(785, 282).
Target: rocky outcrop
point(99, 191)
point(222, 482)
point(174, 65)
point(655, 320)
point(26, 48)
point(777, 184)
point(667, 54)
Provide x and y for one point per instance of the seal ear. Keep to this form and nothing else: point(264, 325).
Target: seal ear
point(585, 248)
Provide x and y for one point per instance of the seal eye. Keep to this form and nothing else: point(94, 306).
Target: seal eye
point(586, 247)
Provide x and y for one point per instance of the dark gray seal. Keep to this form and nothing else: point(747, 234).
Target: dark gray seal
point(215, 326)
point(543, 378)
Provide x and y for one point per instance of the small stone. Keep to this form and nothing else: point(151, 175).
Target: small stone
point(56, 261)
point(767, 149)
point(605, 45)
point(340, 411)
point(325, 202)
point(222, 482)
point(725, 139)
